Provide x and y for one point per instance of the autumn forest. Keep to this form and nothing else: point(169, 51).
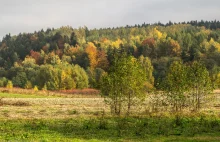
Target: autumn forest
point(67, 58)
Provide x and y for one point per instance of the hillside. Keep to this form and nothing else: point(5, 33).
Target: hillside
point(67, 58)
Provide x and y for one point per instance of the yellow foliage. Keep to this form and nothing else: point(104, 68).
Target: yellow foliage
point(92, 54)
point(28, 61)
point(207, 45)
point(204, 31)
point(35, 88)
point(135, 39)
point(158, 33)
point(164, 36)
point(9, 85)
point(215, 44)
point(91, 44)
point(105, 43)
point(175, 47)
point(133, 60)
point(16, 64)
point(117, 43)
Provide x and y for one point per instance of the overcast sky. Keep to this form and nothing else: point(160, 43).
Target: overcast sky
point(32, 15)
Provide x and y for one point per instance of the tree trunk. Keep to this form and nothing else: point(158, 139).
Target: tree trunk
point(129, 104)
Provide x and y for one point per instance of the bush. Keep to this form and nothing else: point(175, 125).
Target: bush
point(28, 85)
point(3, 82)
point(9, 85)
point(44, 88)
point(35, 88)
point(20, 79)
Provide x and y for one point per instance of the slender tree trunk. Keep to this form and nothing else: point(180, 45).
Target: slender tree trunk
point(129, 104)
point(197, 97)
point(119, 107)
point(199, 100)
point(115, 105)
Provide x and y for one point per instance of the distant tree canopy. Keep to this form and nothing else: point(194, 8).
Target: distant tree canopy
point(67, 58)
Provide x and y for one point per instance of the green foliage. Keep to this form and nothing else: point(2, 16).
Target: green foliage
point(48, 75)
point(62, 77)
point(175, 85)
point(20, 79)
point(187, 85)
point(45, 87)
point(80, 77)
point(217, 80)
point(148, 68)
point(124, 85)
point(95, 77)
point(3, 82)
point(28, 85)
point(200, 85)
point(91, 49)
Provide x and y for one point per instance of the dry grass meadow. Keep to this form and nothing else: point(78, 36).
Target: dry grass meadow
point(27, 115)
point(20, 103)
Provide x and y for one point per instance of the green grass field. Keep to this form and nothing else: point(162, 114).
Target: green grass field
point(38, 117)
point(107, 129)
point(13, 95)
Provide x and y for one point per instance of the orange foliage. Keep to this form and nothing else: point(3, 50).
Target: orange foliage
point(149, 41)
point(36, 55)
point(92, 54)
point(45, 48)
point(102, 60)
point(59, 52)
point(104, 40)
point(73, 50)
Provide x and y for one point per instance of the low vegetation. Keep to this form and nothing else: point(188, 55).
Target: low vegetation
point(112, 129)
point(149, 83)
point(90, 119)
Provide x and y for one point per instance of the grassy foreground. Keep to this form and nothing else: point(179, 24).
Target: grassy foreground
point(26, 116)
point(112, 129)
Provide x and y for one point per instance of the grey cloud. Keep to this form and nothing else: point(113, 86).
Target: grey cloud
point(29, 15)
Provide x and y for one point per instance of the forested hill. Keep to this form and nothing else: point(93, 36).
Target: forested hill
point(68, 58)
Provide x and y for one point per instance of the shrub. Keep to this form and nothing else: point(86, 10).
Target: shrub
point(35, 88)
point(20, 79)
point(28, 85)
point(44, 88)
point(9, 85)
point(1, 83)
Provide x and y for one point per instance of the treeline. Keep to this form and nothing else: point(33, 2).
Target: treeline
point(68, 58)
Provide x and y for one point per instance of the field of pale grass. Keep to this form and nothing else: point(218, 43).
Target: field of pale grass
point(26, 115)
point(49, 105)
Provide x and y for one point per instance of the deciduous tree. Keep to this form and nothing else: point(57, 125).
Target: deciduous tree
point(124, 85)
